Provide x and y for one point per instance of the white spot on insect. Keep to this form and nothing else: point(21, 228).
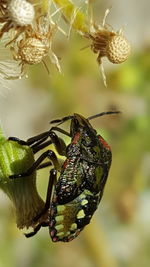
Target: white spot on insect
point(60, 208)
point(21, 12)
point(80, 214)
point(84, 202)
point(59, 227)
point(68, 233)
point(82, 196)
point(73, 226)
point(87, 192)
point(60, 234)
point(59, 218)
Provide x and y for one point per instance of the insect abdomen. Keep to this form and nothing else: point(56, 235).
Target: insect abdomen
point(68, 220)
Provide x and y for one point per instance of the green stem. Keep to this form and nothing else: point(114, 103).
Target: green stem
point(16, 158)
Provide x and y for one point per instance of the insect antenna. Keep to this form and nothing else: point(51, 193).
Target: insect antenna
point(102, 114)
point(60, 121)
point(70, 117)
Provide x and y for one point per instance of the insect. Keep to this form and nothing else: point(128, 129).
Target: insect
point(72, 198)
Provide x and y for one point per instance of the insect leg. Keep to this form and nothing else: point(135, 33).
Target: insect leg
point(45, 135)
point(47, 154)
point(55, 128)
point(44, 165)
point(48, 163)
point(40, 145)
point(35, 141)
point(54, 139)
point(17, 140)
point(58, 143)
point(38, 139)
point(52, 181)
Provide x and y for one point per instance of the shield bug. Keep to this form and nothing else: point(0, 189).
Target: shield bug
point(72, 198)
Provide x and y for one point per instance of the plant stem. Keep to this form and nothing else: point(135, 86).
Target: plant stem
point(16, 158)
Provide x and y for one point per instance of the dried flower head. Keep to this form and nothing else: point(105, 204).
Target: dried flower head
point(15, 15)
point(110, 44)
point(35, 45)
point(107, 43)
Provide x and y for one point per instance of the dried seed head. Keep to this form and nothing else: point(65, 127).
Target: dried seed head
point(32, 51)
point(109, 44)
point(21, 12)
point(118, 49)
point(35, 45)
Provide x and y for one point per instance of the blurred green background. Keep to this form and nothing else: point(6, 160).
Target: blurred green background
point(119, 233)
